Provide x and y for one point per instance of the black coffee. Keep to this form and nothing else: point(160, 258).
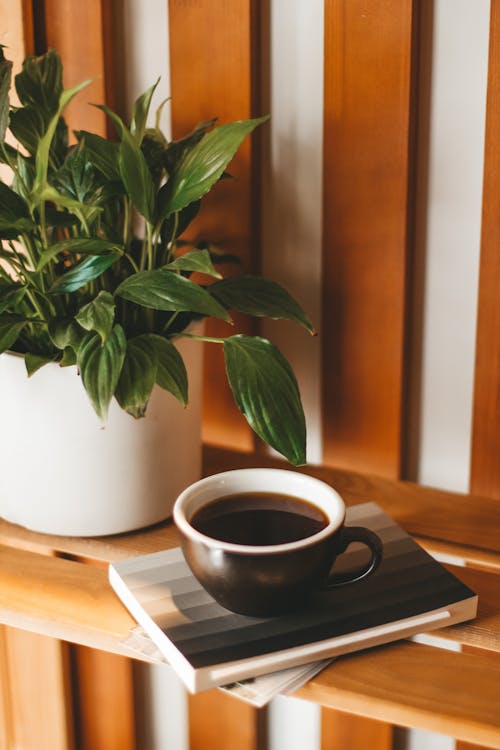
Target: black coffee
point(260, 518)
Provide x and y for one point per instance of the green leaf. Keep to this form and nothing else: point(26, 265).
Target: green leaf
point(82, 246)
point(68, 357)
point(137, 377)
point(100, 366)
point(165, 290)
point(254, 295)
point(88, 270)
point(39, 84)
point(10, 328)
point(196, 260)
point(98, 315)
point(266, 392)
point(14, 214)
point(86, 211)
point(43, 150)
point(140, 113)
point(5, 77)
point(136, 176)
point(103, 154)
point(34, 362)
point(171, 372)
point(76, 177)
point(65, 332)
point(203, 164)
point(10, 296)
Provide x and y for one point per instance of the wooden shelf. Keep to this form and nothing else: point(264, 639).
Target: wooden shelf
point(58, 586)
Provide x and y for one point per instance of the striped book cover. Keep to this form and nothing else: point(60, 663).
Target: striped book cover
point(209, 646)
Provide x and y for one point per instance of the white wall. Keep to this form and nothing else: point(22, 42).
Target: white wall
point(447, 243)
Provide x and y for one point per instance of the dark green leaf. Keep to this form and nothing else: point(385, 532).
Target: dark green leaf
point(176, 149)
point(153, 147)
point(85, 211)
point(68, 358)
point(203, 164)
point(140, 113)
point(98, 315)
point(76, 177)
point(14, 214)
point(10, 296)
point(34, 362)
point(137, 377)
point(65, 332)
point(136, 176)
point(88, 270)
point(39, 84)
point(165, 290)
point(117, 121)
point(196, 260)
point(82, 246)
point(103, 154)
point(254, 295)
point(100, 366)
point(171, 372)
point(10, 328)
point(266, 392)
point(5, 77)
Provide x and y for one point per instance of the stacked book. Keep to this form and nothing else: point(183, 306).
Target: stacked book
point(256, 658)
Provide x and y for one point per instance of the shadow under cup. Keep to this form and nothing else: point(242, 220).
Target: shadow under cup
point(268, 579)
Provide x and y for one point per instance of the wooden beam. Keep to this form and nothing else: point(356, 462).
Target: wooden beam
point(485, 463)
point(220, 722)
point(213, 62)
point(368, 145)
point(347, 732)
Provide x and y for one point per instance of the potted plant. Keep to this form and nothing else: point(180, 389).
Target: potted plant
point(100, 288)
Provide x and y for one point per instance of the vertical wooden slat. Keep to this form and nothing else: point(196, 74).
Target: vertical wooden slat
point(368, 147)
point(39, 695)
point(219, 722)
point(341, 731)
point(104, 700)
point(75, 30)
point(485, 464)
point(5, 707)
point(213, 74)
point(485, 451)
point(367, 150)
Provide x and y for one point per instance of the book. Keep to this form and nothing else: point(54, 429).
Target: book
point(210, 646)
point(257, 691)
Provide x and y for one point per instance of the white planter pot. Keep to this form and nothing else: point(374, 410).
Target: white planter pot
point(61, 473)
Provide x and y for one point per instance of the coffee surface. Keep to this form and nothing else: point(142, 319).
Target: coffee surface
point(259, 519)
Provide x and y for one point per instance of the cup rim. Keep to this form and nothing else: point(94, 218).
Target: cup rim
point(221, 484)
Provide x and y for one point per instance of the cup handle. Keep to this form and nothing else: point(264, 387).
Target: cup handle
point(365, 536)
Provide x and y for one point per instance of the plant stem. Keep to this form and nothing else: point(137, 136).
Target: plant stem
point(149, 235)
point(209, 339)
point(171, 243)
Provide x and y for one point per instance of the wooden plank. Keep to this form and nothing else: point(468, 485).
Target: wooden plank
point(468, 745)
point(213, 58)
point(39, 692)
point(5, 707)
point(368, 142)
point(218, 721)
point(347, 732)
point(75, 30)
point(416, 686)
point(104, 700)
point(485, 464)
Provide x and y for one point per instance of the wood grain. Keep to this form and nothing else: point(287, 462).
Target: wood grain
point(75, 30)
point(39, 695)
point(343, 731)
point(213, 74)
point(485, 463)
point(416, 686)
point(104, 700)
point(368, 143)
point(219, 721)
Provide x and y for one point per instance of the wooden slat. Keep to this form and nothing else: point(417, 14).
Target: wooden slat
point(5, 707)
point(485, 465)
point(469, 745)
point(416, 686)
point(343, 731)
point(218, 721)
point(368, 142)
point(213, 58)
point(39, 695)
point(75, 30)
point(105, 681)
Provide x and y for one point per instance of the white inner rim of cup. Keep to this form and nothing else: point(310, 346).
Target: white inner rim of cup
point(276, 481)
